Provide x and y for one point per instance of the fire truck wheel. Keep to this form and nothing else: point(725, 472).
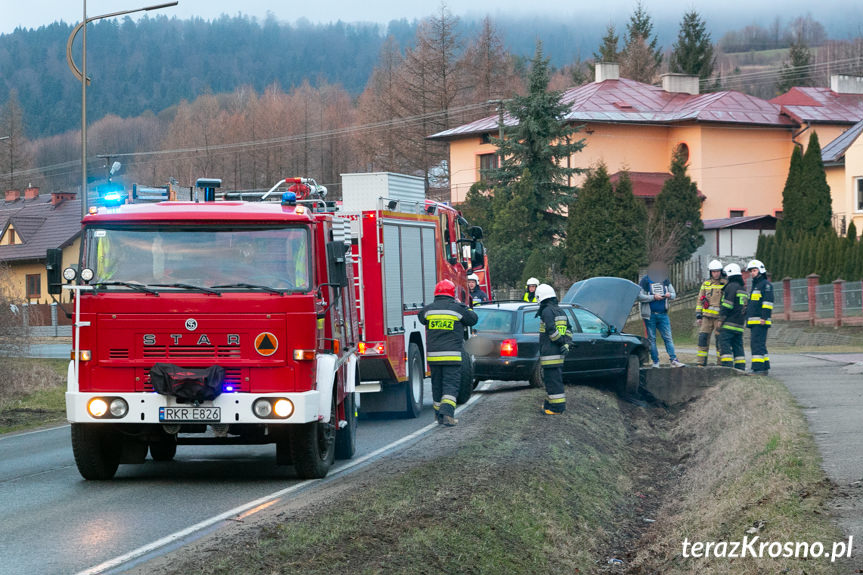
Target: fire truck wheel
point(536, 377)
point(313, 446)
point(164, 450)
point(97, 453)
point(414, 384)
point(466, 387)
point(346, 437)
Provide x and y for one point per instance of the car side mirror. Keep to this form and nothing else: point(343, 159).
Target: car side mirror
point(54, 266)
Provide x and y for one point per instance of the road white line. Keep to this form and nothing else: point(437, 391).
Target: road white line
point(167, 540)
point(14, 435)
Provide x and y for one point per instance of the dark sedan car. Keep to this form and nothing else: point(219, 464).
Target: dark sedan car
point(506, 346)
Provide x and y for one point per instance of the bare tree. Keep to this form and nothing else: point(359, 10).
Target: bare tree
point(14, 332)
point(14, 156)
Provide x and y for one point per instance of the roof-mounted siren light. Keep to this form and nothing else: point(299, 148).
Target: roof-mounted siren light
point(209, 186)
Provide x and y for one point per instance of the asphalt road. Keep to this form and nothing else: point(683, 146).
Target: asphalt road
point(54, 522)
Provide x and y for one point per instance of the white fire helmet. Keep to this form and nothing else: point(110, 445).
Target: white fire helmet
point(544, 292)
point(757, 265)
point(733, 270)
point(715, 266)
point(473, 277)
point(533, 282)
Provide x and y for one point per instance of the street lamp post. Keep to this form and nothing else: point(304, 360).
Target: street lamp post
point(82, 77)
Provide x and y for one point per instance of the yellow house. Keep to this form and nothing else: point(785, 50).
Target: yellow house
point(738, 146)
point(31, 224)
point(843, 162)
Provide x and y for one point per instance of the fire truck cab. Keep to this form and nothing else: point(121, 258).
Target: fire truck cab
point(247, 308)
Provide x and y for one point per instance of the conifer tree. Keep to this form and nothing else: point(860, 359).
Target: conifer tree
point(608, 47)
point(692, 53)
point(817, 204)
point(792, 197)
point(679, 206)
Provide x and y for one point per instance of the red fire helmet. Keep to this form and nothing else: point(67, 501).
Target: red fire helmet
point(445, 287)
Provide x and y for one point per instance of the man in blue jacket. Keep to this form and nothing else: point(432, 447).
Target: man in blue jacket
point(656, 292)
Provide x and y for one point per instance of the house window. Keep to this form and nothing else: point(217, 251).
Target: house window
point(778, 214)
point(859, 198)
point(485, 139)
point(736, 213)
point(12, 234)
point(34, 286)
point(487, 162)
point(683, 151)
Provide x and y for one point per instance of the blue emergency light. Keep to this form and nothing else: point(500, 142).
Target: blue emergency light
point(289, 199)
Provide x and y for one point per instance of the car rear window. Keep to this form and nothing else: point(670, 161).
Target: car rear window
point(495, 320)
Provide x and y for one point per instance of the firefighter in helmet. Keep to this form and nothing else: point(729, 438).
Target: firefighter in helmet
point(707, 310)
point(758, 316)
point(732, 316)
point(477, 296)
point(530, 290)
point(445, 319)
point(555, 334)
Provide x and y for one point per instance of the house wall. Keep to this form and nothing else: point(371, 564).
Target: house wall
point(826, 133)
point(842, 183)
point(744, 168)
point(737, 168)
point(730, 243)
point(20, 271)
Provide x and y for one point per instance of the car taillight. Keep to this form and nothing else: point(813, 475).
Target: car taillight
point(508, 348)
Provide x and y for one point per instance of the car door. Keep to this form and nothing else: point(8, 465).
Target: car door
point(596, 351)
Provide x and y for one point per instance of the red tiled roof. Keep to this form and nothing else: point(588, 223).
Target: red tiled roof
point(647, 185)
point(42, 225)
point(628, 101)
point(821, 105)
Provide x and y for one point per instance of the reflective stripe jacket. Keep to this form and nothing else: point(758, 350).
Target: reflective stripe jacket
point(554, 331)
point(445, 320)
point(529, 297)
point(709, 298)
point(760, 301)
point(732, 310)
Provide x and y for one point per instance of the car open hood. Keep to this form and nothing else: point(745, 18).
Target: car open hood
point(609, 298)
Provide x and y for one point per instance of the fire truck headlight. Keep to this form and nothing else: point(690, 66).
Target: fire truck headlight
point(283, 408)
point(87, 274)
point(119, 407)
point(97, 407)
point(262, 408)
point(69, 274)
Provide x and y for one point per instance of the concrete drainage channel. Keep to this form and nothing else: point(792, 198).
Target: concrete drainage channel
point(674, 386)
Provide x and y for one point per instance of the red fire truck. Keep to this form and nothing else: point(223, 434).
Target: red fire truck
point(233, 322)
point(403, 244)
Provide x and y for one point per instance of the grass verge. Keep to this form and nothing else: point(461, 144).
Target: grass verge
point(525, 494)
point(748, 461)
point(31, 393)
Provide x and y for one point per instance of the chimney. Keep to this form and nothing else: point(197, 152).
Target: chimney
point(680, 84)
point(13, 195)
point(607, 71)
point(31, 193)
point(59, 197)
point(842, 84)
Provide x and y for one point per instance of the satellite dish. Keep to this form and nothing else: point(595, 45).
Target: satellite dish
point(115, 167)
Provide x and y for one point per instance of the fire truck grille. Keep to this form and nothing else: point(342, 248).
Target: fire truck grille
point(234, 381)
point(189, 351)
point(118, 353)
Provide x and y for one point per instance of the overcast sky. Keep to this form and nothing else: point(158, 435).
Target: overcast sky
point(35, 13)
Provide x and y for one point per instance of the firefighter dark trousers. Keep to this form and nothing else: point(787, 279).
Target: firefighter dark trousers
point(446, 380)
point(553, 377)
point(758, 341)
point(731, 353)
point(707, 329)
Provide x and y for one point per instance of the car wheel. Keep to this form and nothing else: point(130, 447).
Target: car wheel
point(96, 451)
point(346, 437)
point(414, 383)
point(536, 377)
point(164, 450)
point(313, 446)
point(632, 378)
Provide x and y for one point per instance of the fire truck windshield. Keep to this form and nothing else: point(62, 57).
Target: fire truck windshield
point(266, 257)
